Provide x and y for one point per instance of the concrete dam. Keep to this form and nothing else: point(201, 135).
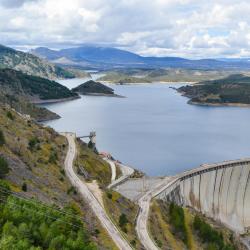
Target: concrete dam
point(220, 191)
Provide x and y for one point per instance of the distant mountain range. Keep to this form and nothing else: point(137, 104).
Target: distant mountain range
point(94, 57)
point(31, 64)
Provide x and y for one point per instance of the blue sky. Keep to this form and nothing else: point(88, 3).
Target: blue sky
point(187, 28)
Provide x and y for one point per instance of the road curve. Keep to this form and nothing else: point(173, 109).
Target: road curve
point(126, 173)
point(142, 218)
point(89, 197)
point(113, 169)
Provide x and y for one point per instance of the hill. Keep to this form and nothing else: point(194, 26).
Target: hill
point(33, 87)
point(39, 207)
point(19, 90)
point(31, 64)
point(92, 88)
point(97, 57)
point(232, 90)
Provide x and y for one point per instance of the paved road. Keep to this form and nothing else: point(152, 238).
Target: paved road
point(113, 169)
point(142, 219)
point(89, 197)
point(126, 173)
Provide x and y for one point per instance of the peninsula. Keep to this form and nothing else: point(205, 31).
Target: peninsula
point(230, 91)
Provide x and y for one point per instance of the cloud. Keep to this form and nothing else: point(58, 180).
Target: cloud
point(14, 3)
point(188, 28)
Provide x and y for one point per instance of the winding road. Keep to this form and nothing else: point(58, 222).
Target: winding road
point(142, 219)
point(89, 197)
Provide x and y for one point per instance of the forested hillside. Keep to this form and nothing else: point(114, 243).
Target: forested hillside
point(234, 89)
point(32, 87)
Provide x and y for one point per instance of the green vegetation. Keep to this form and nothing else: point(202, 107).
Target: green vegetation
point(123, 222)
point(31, 225)
point(4, 167)
point(177, 219)
point(28, 86)
point(210, 236)
point(234, 89)
point(2, 139)
point(10, 115)
point(92, 166)
point(30, 64)
point(33, 142)
point(39, 172)
point(123, 212)
point(160, 228)
point(18, 90)
point(180, 228)
point(92, 87)
point(24, 187)
point(22, 105)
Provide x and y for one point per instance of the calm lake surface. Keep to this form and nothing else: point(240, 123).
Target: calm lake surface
point(154, 129)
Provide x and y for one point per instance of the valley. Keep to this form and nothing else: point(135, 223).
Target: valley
point(124, 125)
point(115, 206)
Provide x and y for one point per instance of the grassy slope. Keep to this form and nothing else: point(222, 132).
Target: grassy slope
point(96, 168)
point(165, 235)
point(116, 205)
point(21, 105)
point(41, 168)
point(160, 229)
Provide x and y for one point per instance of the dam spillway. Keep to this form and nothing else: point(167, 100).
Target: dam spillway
point(220, 191)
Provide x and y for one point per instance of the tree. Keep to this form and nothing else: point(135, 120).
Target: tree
point(33, 142)
point(123, 220)
point(10, 115)
point(4, 167)
point(24, 187)
point(2, 139)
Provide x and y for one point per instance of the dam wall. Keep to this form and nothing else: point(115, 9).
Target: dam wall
point(220, 191)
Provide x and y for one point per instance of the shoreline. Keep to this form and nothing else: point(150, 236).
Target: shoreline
point(242, 105)
point(146, 83)
point(101, 94)
point(55, 100)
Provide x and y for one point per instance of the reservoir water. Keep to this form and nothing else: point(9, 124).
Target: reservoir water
point(154, 129)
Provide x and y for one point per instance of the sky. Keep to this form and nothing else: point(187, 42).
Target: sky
point(186, 28)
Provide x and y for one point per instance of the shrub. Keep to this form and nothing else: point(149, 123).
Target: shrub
point(177, 219)
point(33, 142)
point(109, 195)
point(10, 115)
point(72, 190)
point(2, 139)
point(4, 190)
point(4, 167)
point(123, 220)
point(62, 171)
point(24, 187)
point(53, 157)
point(210, 235)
